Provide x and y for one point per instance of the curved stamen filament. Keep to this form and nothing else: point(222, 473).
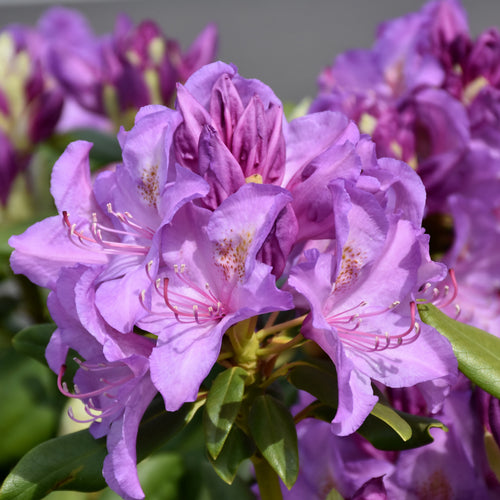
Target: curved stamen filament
point(126, 218)
point(353, 337)
point(441, 297)
point(106, 246)
point(94, 416)
point(102, 391)
point(88, 398)
point(192, 305)
point(197, 307)
point(447, 290)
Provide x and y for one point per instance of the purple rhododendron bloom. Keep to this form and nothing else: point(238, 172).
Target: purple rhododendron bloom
point(418, 91)
point(232, 130)
point(186, 238)
point(112, 379)
point(474, 256)
point(116, 74)
point(343, 463)
point(112, 222)
point(453, 466)
point(210, 279)
point(428, 93)
point(361, 291)
point(30, 101)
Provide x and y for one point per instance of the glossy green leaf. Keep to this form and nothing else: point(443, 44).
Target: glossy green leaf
point(222, 407)
point(388, 429)
point(199, 480)
point(392, 419)
point(380, 433)
point(74, 461)
point(30, 405)
point(237, 447)
point(273, 430)
point(319, 381)
point(33, 340)
point(67, 462)
point(477, 352)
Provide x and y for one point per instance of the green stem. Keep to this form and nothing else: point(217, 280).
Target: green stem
point(265, 332)
point(267, 479)
point(279, 347)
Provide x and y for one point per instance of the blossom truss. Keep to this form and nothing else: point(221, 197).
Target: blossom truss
point(186, 238)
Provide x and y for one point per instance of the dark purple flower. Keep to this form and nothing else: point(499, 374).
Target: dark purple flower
point(30, 102)
point(116, 74)
point(232, 131)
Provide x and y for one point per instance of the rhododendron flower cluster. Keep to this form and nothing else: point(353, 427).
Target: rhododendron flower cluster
point(186, 239)
point(427, 92)
point(117, 73)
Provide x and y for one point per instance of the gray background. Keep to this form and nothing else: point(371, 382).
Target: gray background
point(285, 43)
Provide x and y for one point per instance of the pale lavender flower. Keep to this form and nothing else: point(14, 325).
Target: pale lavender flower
point(210, 279)
point(361, 290)
point(113, 221)
point(112, 378)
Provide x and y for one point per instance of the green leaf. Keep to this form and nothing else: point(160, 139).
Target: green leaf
point(106, 148)
point(319, 381)
point(384, 436)
point(222, 407)
point(74, 461)
point(334, 495)
point(381, 434)
point(200, 481)
point(33, 340)
point(159, 426)
point(30, 405)
point(273, 431)
point(477, 352)
point(237, 448)
point(392, 419)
